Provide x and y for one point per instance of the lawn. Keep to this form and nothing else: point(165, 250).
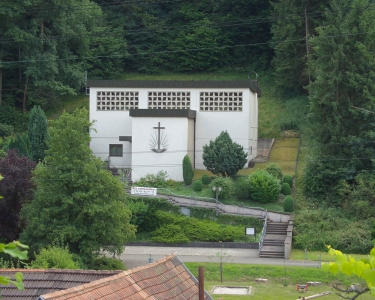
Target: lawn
point(282, 281)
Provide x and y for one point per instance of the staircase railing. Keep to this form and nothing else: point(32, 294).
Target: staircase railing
point(261, 239)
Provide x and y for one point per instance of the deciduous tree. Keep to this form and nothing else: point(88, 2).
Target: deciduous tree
point(223, 156)
point(76, 201)
point(16, 188)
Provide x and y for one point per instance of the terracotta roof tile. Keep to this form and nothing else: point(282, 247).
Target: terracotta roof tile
point(43, 281)
point(165, 279)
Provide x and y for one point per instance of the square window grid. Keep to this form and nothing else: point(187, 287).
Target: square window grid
point(169, 100)
point(220, 101)
point(116, 100)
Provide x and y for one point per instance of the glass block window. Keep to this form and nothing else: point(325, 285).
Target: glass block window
point(220, 101)
point(116, 100)
point(168, 100)
point(115, 150)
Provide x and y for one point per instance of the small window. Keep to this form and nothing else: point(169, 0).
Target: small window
point(115, 150)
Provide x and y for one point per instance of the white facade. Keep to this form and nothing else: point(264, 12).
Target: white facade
point(152, 125)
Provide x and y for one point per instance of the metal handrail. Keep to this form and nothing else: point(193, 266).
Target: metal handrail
point(261, 239)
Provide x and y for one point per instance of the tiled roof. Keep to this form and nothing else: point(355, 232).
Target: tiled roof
point(167, 278)
point(43, 281)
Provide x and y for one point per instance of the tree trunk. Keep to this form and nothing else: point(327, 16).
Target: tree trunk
point(24, 95)
point(307, 38)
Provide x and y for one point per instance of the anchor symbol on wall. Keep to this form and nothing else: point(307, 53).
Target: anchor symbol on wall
point(159, 141)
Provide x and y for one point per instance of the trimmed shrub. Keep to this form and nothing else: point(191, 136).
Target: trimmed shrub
point(289, 180)
point(226, 184)
point(288, 204)
point(285, 189)
point(187, 170)
point(206, 179)
point(197, 186)
point(275, 171)
point(263, 187)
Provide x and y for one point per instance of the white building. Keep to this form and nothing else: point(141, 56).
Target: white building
point(150, 126)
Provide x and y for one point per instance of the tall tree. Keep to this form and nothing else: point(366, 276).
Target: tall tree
point(16, 189)
point(38, 133)
point(295, 22)
point(76, 201)
point(342, 100)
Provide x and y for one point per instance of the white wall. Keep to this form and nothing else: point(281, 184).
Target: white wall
point(144, 160)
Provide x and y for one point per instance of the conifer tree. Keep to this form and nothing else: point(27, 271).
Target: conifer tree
point(38, 133)
point(342, 93)
point(223, 156)
point(187, 170)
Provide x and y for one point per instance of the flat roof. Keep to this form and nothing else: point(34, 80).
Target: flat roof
point(177, 84)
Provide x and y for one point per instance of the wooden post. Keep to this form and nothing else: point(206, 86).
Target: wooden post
point(201, 282)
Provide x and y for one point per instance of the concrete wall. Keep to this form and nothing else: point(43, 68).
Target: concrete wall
point(145, 161)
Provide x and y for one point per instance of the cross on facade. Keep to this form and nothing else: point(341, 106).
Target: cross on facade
point(158, 128)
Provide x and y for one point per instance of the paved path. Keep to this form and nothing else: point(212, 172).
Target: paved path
point(135, 256)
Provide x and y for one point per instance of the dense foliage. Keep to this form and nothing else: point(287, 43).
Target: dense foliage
point(263, 187)
point(181, 229)
point(197, 185)
point(341, 95)
point(75, 197)
point(223, 156)
point(187, 170)
point(38, 133)
point(16, 189)
point(56, 258)
point(288, 204)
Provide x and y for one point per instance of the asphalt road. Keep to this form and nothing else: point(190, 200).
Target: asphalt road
point(135, 256)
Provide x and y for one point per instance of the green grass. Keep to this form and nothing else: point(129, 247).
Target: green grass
point(68, 104)
point(314, 256)
point(244, 275)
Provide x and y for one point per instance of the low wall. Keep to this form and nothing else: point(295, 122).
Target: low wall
point(198, 245)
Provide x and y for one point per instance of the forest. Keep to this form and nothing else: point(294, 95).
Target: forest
point(320, 54)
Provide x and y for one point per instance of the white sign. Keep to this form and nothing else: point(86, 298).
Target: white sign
point(250, 231)
point(146, 191)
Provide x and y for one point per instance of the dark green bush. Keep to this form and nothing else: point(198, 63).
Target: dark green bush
point(241, 188)
point(285, 189)
point(181, 229)
point(11, 116)
point(263, 187)
point(288, 179)
point(206, 179)
point(288, 204)
point(106, 263)
point(226, 185)
point(197, 185)
point(143, 212)
point(275, 171)
point(5, 130)
point(187, 170)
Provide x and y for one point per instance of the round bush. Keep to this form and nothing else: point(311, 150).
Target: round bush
point(205, 179)
point(263, 187)
point(288, 204)
point(241, 188)
point(288, 180)
point(197, 185)
point(226, 185)
point(275, 171)
point(285, 189)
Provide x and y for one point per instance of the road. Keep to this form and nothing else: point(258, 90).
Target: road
point(135, 256)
